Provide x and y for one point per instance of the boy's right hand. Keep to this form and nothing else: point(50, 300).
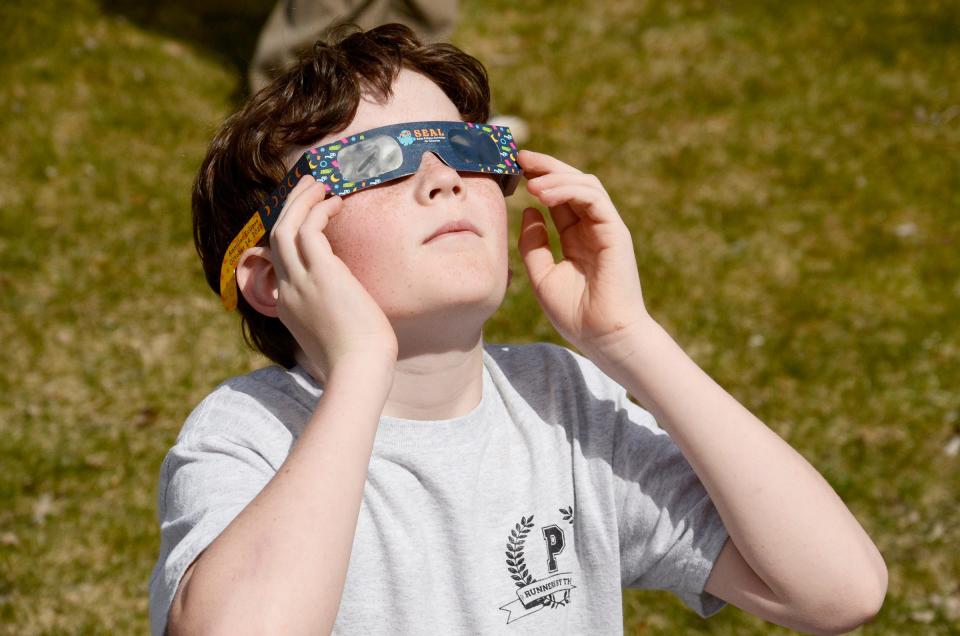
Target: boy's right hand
point(321, 302)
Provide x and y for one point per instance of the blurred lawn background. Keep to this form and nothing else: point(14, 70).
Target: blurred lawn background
point(790, 173)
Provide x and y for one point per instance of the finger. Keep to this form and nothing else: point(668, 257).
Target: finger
point(535, 164)
point(312, 244)
point(582, 200)
point(305, 182)
point(277, 265)
point(554, 179)
point(534, 246)
point(283, 239)
point(563, 216)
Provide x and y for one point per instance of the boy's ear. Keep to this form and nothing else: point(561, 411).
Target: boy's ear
point(257, 280)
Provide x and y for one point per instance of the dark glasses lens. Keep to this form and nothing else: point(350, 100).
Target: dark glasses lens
point(370, 158)
point(474, 145)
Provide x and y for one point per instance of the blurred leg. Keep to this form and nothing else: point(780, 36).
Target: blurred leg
point(294, 26)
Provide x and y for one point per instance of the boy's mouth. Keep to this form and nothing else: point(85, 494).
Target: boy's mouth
point(461, 225)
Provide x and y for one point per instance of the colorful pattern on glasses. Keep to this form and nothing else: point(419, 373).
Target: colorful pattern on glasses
point(321, 163)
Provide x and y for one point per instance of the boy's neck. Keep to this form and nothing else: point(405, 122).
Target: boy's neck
point(430, 383)
point(438, 385)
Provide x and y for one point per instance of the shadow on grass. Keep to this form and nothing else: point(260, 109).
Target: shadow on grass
point(226, 29)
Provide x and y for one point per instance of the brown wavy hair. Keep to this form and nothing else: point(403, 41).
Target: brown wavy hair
point(316, 97)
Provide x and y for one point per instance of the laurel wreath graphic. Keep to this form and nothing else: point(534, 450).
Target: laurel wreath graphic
point(567, 514)
point(515, 562)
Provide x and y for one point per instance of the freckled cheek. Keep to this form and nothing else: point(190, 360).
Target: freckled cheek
point(371, 248)
point(498, 223)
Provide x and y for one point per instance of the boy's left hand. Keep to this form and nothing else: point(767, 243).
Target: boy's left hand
point(592, 297)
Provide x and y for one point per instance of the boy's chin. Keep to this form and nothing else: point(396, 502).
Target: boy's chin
point(465, 310)
point(455, 310)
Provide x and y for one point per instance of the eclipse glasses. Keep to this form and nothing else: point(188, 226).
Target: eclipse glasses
point(376, 156)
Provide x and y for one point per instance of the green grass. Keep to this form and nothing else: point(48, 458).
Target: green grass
point(789, 171)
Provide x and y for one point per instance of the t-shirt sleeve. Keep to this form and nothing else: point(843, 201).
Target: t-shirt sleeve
point(670, 531)
point(206, 481)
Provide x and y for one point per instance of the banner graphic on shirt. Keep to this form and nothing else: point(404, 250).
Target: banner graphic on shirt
point(533, 594)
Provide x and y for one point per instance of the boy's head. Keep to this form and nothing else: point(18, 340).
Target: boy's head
point(357, 81)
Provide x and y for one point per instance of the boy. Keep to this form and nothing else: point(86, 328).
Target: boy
point(396, 474)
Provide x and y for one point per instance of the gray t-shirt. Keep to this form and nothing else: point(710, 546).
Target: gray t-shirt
point(525, 516)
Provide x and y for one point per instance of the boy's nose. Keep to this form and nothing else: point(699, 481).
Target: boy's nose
point(436, 179)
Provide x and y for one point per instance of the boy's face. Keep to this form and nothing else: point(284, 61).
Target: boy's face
point(381, 233)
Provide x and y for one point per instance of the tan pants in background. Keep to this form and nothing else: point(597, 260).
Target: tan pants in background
point(294, 26)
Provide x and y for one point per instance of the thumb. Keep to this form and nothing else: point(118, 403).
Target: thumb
point(336, 207)
point(534, 246)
